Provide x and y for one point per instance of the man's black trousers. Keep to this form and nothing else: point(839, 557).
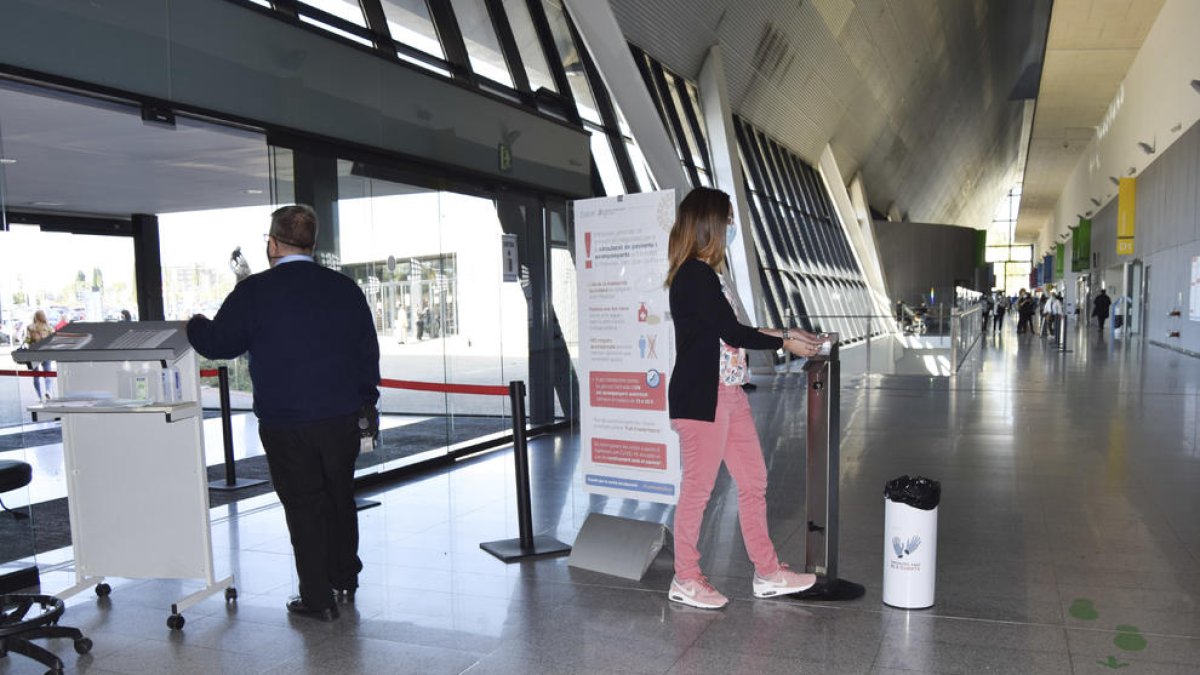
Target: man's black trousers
point(312, 467)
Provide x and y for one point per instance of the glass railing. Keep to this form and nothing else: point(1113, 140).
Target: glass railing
point(966, 327)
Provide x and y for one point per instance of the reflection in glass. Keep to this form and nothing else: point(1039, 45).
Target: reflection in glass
point(429, 264)
point(483, 47)
point(409, 23)
point(532, 56)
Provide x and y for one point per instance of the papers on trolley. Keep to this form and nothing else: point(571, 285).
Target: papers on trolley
point(65, 341)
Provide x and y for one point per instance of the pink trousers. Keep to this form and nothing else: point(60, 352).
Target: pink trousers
point(730, 438)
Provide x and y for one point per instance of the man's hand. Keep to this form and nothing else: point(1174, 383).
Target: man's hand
point(368, 422)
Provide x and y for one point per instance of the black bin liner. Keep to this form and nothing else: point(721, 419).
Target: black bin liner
point(916, 491)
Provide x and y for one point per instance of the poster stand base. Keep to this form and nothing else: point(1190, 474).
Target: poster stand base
point(622, 547)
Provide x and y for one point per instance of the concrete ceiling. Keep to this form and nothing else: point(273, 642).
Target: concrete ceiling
point(1091, 45)
point(923, 97)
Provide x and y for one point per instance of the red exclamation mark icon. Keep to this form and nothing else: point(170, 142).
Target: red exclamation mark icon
point(587, 247)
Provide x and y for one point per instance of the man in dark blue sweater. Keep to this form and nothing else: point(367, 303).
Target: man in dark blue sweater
point(314, 362)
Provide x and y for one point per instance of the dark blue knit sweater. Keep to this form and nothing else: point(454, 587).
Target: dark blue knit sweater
point(313, 350)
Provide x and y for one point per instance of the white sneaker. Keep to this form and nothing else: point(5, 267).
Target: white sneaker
point(696, 593)
point(783, 582)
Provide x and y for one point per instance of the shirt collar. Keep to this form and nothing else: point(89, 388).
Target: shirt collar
point(295, 257)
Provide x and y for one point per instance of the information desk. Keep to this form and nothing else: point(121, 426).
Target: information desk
point(137, 485)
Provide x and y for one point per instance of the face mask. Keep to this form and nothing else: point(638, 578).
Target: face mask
point(730, 234)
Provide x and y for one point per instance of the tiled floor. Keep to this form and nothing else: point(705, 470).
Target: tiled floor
point(1068, 542)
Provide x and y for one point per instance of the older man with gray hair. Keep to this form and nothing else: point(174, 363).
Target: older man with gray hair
point(314, 362)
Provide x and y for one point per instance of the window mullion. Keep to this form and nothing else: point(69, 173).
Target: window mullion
point(508, 45)
point(452, 40)
point(377, 23)
point(554, 60)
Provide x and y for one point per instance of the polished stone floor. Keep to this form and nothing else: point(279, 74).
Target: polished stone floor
point(1068, 542)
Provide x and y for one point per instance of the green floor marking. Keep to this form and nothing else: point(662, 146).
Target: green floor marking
point(1113, 663)
point(1129, 639)
point(1083, 609)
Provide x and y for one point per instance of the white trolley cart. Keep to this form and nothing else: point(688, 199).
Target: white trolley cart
point(129, 401)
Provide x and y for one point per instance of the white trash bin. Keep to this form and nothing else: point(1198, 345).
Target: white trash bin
point(910, 547)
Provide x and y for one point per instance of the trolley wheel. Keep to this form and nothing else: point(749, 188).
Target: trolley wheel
point(103, 590)
point(83, 645)
point(230, 594)
point(175, 621)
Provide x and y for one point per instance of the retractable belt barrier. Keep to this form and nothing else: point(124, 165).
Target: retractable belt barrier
point(526, 545)
point(824, 382)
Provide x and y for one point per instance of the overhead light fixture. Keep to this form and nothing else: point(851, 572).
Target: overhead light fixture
point(47, 203)
point(1095, 201)
point(1132, 170)
point(7, 160)
point(1147, 148)
point(1114, 180)
point(1177, 128)
point(1089, 214)
point(252, 191)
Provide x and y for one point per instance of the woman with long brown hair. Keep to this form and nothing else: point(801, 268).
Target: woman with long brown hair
point(708, 407)
point(38, 330)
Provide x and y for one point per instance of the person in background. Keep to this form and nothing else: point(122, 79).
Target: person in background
point(1026, 306)
point(314, 363)
point(708, 408)
point(988, 307)
point(38, 330)
point(1100, 307)
point(999, 312)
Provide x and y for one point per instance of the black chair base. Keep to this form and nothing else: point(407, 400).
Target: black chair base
point(18, 627)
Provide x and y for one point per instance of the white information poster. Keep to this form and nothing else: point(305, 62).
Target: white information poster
point(1194, 299)
point(626, 346)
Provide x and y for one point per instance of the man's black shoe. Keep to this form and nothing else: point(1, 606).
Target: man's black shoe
point(343, 595)
point(296, 606)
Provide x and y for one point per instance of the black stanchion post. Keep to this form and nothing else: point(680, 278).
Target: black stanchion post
point(231, 481)
point(526, 545)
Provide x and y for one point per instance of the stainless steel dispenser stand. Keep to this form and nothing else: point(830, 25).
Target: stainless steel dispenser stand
point(823, 376)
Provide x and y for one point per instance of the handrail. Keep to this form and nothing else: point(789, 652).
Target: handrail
point(958, 319)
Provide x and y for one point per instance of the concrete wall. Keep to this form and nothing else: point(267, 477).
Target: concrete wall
point(1155, 105)
point(213, 55)
point(918, 256)
point(1167, 238)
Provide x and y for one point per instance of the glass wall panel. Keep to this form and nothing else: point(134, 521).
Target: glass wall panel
point(409, 22)
point(532, 55)
point(430, 263)
point(483, 47)
point(572, 61)
point(606, 163)
point(349, 10)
